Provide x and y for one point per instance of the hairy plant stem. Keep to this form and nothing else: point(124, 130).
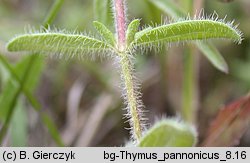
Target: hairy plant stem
point(120, 20)
point(131, 96)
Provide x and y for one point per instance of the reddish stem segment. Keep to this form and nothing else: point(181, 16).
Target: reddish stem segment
point(120, 23)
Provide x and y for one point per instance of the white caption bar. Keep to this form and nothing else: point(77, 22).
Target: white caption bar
point(124, 155)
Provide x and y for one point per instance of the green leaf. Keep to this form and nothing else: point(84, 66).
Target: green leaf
point(47, 121)
point(188, 30)
point(131, 31)
point(57, 43)
point(104, 32)
point(214, 56)
point(103, 11)
point(169, 8)
point(19, 126)
point(169, 133)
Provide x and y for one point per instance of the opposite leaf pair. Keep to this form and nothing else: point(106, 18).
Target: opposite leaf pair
point(68, 44)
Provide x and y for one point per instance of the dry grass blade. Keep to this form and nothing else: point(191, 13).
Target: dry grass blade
point(230, 124)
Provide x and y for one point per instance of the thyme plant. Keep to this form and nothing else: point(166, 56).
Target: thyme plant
point(121, 46)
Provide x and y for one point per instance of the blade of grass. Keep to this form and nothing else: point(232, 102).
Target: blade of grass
point(189, 94)
point(190, 81)
point(52, 13)
point(26, 89)
point(27, 93)
point(51, 16)
point(214, 56)
point(48, 20)
point(52, 128)
point(11, 87)
point(19, 126)
point(14, 100)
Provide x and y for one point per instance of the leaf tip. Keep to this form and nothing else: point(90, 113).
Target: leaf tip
point(10, 46)
point(224, 68)
point(95, 23)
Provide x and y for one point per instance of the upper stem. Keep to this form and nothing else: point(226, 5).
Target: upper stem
point(120, 23)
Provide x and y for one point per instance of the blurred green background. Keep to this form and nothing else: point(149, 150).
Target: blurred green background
point(79, 99)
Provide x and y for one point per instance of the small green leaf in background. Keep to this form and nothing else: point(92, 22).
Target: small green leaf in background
point(103, 11)
point(132, 30)
point(104, 32)
point(169, 7)
point(230, 124)
point(169, 133)
point(213, 55)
